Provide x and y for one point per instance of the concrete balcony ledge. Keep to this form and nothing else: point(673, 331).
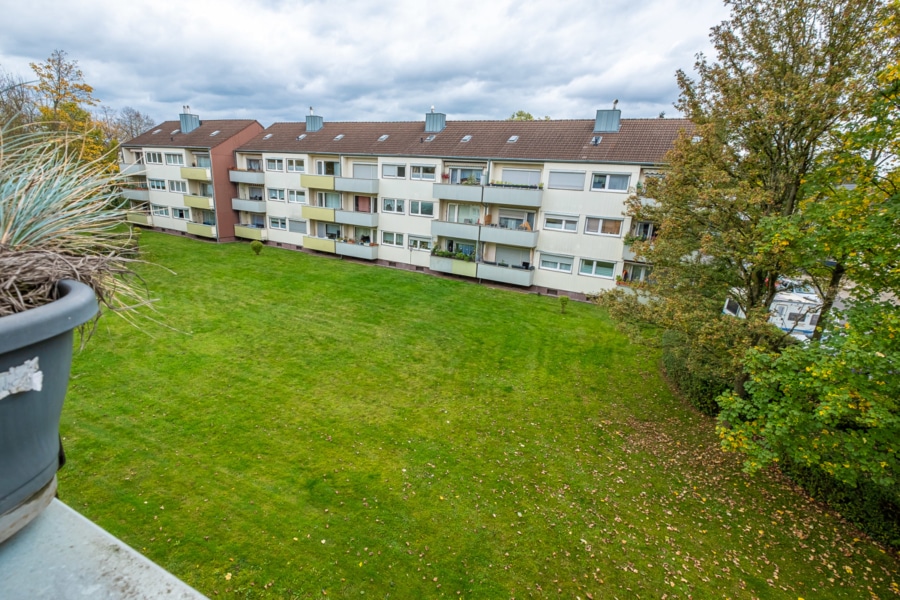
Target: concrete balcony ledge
point(451, 191)
point(360, 219)
point(251, 177)
point(514, 196)
point(453, 266)
point(132, 169)
point(61, 554)
point(509, 237)
point(249, 232)
point(139, 218)
point(139, 194)
point(505, 274)
point(203, 202)
point(318, 213)
point(252, 206)
point(363, 251)
point(318, 182)
point(201, 230)
point(196, 173)
point(357, 186)
point(320, 244)
point(466, 231)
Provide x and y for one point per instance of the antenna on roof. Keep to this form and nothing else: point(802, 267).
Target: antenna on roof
point(432, 108)
point(616, 101)
point(310, 110)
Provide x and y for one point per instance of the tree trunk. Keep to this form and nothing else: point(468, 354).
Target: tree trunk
point(834, 286)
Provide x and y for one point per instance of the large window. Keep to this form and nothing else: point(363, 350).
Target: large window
point(463, 213)
point(610, 181)
point(154, 158)
point(561, 222)
point(276, 194)
point(296, 226)
point(566, 180)
point(600, 226)
point(597, 268)
point(157, 184)
point(177, 186)
point(203, 160)
point(296, 196)
point(274, 164)
point(255, 192)
point(643, 230)
point(296, 165)
point(419, 243)
point(158, 210)
point(365, 171)
point(515, 219)
point(174, 159)
point(207, 217)
point(422, 172)
point(328, 199)
point(393, 205)
point(393, 171)
point(552, 262)
point(181, 213)
point(421, 208)
point(277, 223)
point(636, 272)
point(470, 175)
point(328, 167)
point(521, 176)
point(389, 238)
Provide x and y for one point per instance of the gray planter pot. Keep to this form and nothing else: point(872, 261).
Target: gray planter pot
point(35, 357)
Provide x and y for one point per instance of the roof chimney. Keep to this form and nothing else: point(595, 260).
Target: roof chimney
point(607, 121)
point(435, 122)
point(314, 122)
point(189, 122)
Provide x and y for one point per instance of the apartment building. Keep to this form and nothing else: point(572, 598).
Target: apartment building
point(178, 175)
point(534, 204)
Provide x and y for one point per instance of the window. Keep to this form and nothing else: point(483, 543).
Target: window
point(422, 172)
point(465, 246)
point(419, 243)
point(466, 138)
point(181, 213)
point(797, 317)
point(267, 136)
point(551, 262)
point(338, 137)
point(203, 160)
point(731, 307)
point(215, 133)
point(277, 223)
point(391, 239)
point(384, 137)
point(159, 211)
point(174, 159)
point(637, 272)
point(597, 268)
point(430, 138)
point(561, 223)
point(814, 319)
point(157, 184)
point(296, 226)
point(154, 158)
point(515, 219)
point(254, 164)
point(421, 208)
point(207, 217)
point(301, 136)
point(255, 192)
point(328, 199)
point(276, 194)
point(466, 175)
point(521, 177)
point(394, 171)
point(643, 230)
point(607, 181)
point(328, 167)
point(205, 189)
point(365, 171)
point(603, 226)
point(296, 165)
point(393, 205)
point(179, 187)
point(463, 213)
point(566, 180)
point(512, 139)
point(296, 196)
point(274, 164)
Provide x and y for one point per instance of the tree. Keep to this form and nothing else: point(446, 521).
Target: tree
point(521, 115)
point(787, 74)
point(132, 123)
point(18, 105)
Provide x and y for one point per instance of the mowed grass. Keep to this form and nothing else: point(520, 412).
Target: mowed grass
point(310, 428)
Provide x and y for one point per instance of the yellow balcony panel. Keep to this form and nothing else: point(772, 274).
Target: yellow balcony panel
point(320, 244)
point(198, 202)
point(316, 213)
point(319, 182)
point(139, 218)
point(196, 173)
point(202, 230)
point(250, 233)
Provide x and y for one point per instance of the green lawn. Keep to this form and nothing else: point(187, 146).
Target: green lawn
point(309, 427)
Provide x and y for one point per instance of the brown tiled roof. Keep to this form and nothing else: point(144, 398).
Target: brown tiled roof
point(198, 138)
point(642, 141)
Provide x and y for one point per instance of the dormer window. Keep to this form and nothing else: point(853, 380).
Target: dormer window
point(512, 139)
point(339, 136)
point(466, 138)
point(384, 137)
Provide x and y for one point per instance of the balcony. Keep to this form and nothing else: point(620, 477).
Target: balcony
point(195, 173)
point(132, 169)
point(251, 206)
point(139, 194)
point(450, 191)
point(525, 197)
point(357, 186)
point(352, 217)
point(509, 237)
point(318, 182)
point(628, 253)
point(468, 231)
point(202, 202)
point(453, 266)
point(363, 251)
point(201, 230)
point(139, 218)
point(320, 244)
point(504, 274)
point(251, 177)
point(248, 232)
point(317, 213)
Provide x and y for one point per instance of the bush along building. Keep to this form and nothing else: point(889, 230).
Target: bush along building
point(533, 204)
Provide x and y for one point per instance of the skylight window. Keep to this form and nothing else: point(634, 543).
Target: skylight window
point(466, 138)
point(512, 139)
point(267, 136)
point(156, 131)
point(595, 141)
point(214, 133)
point(339, 136)
point(384, 137)
point(430, 138)
point(174, 131)
point(301, 136)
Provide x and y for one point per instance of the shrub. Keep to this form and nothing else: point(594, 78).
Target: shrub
point(563, 301)
point(699, 392)
point(256, 246)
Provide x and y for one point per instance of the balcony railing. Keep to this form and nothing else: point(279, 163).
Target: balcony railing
point(251, 206)
point(251, 177)
point(320, 244)
point(352, 217)
point(202, 202)
point(453, 266)
point(202, 230)
point(463, 192)
point(468, 231)
point(139, 194)
point(196, 173)
point(139, 218)
point(364, 251)
point(355, 185)
point(250, 232)
point(510, 195)
point(132, 168)
point(509, 237)
point(506, 274)
point(317, 213)
point(318, 182)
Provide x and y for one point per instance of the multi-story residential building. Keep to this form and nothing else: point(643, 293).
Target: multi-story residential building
point(179, 175)
point(535, 204)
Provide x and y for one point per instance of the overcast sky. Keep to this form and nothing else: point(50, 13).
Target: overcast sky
point(362, 60)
